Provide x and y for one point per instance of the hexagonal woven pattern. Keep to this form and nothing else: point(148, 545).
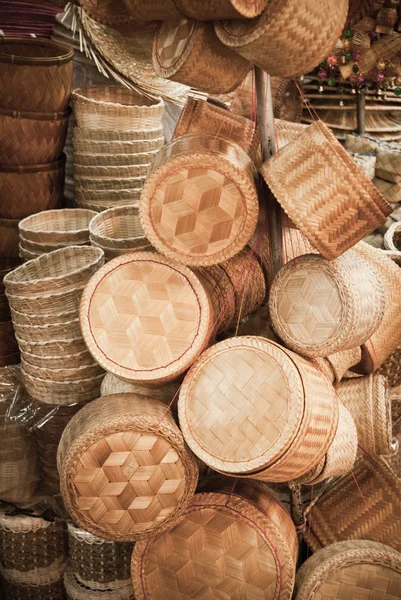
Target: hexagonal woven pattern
point(173, 42)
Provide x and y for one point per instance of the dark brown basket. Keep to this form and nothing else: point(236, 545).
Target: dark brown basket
point(25, 190)
point(35, 74)
point(9, 238)
point(28, 138)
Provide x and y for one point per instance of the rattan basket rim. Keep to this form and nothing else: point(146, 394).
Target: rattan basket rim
point(66, 52)
point(108, 215)
point(80, 95)
point(27, 225)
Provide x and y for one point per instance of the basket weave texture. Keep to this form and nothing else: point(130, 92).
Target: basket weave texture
point(66, 226)
point(118, 229)
point(287, 101)
point(220, 9)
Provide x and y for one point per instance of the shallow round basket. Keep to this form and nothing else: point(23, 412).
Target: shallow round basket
point(61, 374)
point(46, 133)
point(114, 172)
point(26, 255)
point(63, 226)
point(281, 41)
point(110, 253)
point(220, 9)
point(49, 304)
point(9, 238)
point(115, 108)
point(76, 589)
point(159, 320)
point(64, 361)
point(242, 526)
point(112, 160)
point(239, 428)
point(392, 237)
point(34, 250)
point(66, 392)
point(124, 468)
point(115, 148)
point(103, 136)
point(319, 307)
point(200, 205)
point(118, 228)
point(55, 348)
point(60, 271)
point(177, 47)
point(352, 569)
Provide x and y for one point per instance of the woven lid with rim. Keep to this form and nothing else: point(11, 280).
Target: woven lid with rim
point(144, 317)
point(232, 542)
point(124, 467)
point(200, 204)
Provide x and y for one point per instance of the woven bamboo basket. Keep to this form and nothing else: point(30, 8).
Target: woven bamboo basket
point(342, 361)
point(134, 137)
point(43, 319)
point(392, 237)
point(391, 368)
point(110, 253)
point(106, 450)
point(28, 138)
point(114, 172)
point(388, 335)
point(64, 361)
point(107, 184)
point(115, 148)
point(354, 569)
point(219, 9)
point(286, 132)
point(115, 108)
point(389, 162)
point(47, 333)
point(65, 392)
point(189, 52)
point(60, 271)
point(164, 393)
point(54, 348)
point(49, 304)
point(287, 101)
point(76, 590)
point(306, 187)
point(113, 161)
point(281, 41)
point(118, 228)
point(216, 524)
point(319, 307)
point(26, 255)
point(368, 400)
point(35, 74)
point(61, 374)
point(9, 238)
point(296, 421)
point(362, 505)
point(67, 226)
point(214, 181)
point(28, 189)
point(55, 591)
point(114, 13)
point(34, 250)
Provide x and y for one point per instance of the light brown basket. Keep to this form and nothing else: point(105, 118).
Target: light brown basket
point(67, 226)
point(55, 348)
point(129, 196)
point(118, 229)
point(319, 307)
point(115, 148)
point(114, 172)
point(104, 454)
point(286, 132)
point(103, 136)
point(214, 526)
point(281, 41)
point(391, 368)
point(368, 400)
point(62, 270)
point(47, 333)
point(366, 504)
point(61, 374)
point(237, 428)
point(392, 237)
point(355, 569)
point(107, 184)
point(49, 304)
point(9, 238)
point(219, 9)
point(65, 392)
point(307, 188)
point(64, 361)
point(189, 52)
point(122, 161)
point(38, 249)
point(287, 100)
point(200, 206)
point(341, 362)
point(165, 393)
point(115, 108)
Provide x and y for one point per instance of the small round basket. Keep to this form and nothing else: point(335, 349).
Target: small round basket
point(287, 100)
point(66, 226)
point(64, 361)
point(124, 468)
point(118, 229)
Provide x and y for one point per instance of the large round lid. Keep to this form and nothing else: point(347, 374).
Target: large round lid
point(144, 318)
point(241, 404)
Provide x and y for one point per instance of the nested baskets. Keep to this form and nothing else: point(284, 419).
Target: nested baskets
point(31, 138)
point(27, 189)
point(282, 41)
point(354, 569)
point(118, 231)
point(115, 108)
point(319, 307)
point(200, 206)
point(252, 408)
point(35, 74)
point(324, 192)
point(237, 538)
point(124, 467)
point(219, 9)
point(189, 52)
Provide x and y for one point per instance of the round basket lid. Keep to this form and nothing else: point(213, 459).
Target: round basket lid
point(145, 318)
point(173, 45)
point(241, 404)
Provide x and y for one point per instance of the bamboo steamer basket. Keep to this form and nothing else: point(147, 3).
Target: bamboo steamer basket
point(113, 136)
point(115, 108)
point(189, 52)
point(113, 160)
point(220, 9)
point(388, 335)
point(31, 188)
point(65, 392)
point(118, 229)
point(50, 304)
point(60, 271)
point(115, 148)
point(199, 205)
point(213, 527)
point(240, 427)
point(281, 41)
point(63, 226)
point(114, 172)
point(368, 400)
point(392, 237)
point(342, 361)
point(364, 504)
point(31, 138)
point(63, 347)
point(9, 238)
point(319, 307)
point(61, 374)
point(101, 196)
point(124, 468)
point(35, 74)
point(354, 569)
point(296, 181)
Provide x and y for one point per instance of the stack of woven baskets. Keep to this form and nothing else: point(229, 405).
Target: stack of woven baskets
point(117, 135)
point(9, 354)
point(36, 80)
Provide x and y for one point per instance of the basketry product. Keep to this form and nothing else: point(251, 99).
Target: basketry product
point(239, 428)
point(47, 333)
point(9, 238)
point(327, 196)
point(391, 368)
point(55, 591)
point(122, 161)
point(61, 374)
point(189, 52)
point(286, 131)
point(392, 237)
point(281, 41)
point(64, 226)
point(287, 101)
point(104, 454)
point(199, 205)
point(343, 361)
point(134, 137)
point(29, 138)
point(51, 304)
point(319, 307)
point(113, 148)
point(118, 229)
point(35, 74)
point(76, 590)
point(164, 393)
point(107, 184)
point(219, 9)
point(114, 172)
point(65, 392)
point(55, 348)
point(216, 524)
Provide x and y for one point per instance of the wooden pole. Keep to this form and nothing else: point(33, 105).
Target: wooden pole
point(361, 111)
